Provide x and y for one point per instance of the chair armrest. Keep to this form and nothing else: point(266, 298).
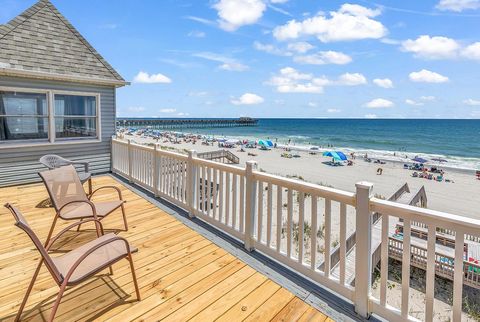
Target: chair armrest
point(63, 231)
point(85, 164)
point(107, 187)
point(91, 204)
point(91, 250)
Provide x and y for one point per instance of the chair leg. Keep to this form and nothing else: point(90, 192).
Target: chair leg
point(90, 190)
point(51, 230)
point(57, 301)
point(134, 276)
point(78, 227)
point(30, 287)
point(124, 217)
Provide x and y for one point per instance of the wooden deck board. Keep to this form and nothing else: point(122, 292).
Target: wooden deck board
point(181, 274)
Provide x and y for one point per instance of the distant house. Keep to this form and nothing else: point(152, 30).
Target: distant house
point(57, 95)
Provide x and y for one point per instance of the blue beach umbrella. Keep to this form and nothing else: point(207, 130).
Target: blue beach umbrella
point(419, 160)
point(336, 155)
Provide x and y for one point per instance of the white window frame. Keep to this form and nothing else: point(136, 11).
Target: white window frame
point(51, 141)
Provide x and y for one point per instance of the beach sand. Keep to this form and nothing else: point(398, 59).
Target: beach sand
point(458, 197)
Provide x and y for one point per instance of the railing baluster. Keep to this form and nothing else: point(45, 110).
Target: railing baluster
point(227, 198)
point(234, 201)
point(343, 241)
point(458, 274)
point(406, 268)
point(313, 234)
point(430, 272)
point(242, 203)
point(301, 225)
point(208, 191)
point(204, 191)
point(269, 214)
point(384, 260)
point(215, 192)
point(221, 195)
point(289, 221)
point(279, 217)
point(199, 188)
point(328, 229)
point(260, 211)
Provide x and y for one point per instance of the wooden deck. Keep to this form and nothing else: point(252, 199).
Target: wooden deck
point(182, 275)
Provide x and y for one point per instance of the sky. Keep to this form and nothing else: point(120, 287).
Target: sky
point(285, 58)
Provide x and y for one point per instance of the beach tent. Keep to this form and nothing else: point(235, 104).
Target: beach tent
point(269, 143)
point(232, 141)
point(336, 155)
point(263, 143)
point(419, 160)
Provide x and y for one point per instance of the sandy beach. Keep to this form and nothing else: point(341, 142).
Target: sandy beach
point(459, 197)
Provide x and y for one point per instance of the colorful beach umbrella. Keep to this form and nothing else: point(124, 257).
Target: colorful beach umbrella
point(337, 155)
point(419, 160)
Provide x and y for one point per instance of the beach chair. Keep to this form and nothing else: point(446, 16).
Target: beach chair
point(70, 201)
point(439, 178)
point(52, 161)
point(78, 264)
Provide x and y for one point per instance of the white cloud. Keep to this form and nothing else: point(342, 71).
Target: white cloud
point(427, 98)
point(413, 103)
point(182, 114)
point(471, 102)
point(333, 110)
point(427, 76)
point(271, 49)
point(234, 67)
point(278, 1)
point(324, 57)
point(370, 116)
point(236, 13)
point(248, 99)
point(290, 80)
point(379, 103)
point(312, 104)
point(197, 34)
point(300, 47)
point(167, 110)
point(475, 114)
point(228, 63)
point(458, 5)
point(145, 78)
point(383, 82)
point(472, 51)
point(200, 93)
point(349, 79)
point(350, 22)
point(432, 47)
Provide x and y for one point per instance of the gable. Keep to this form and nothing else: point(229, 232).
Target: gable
point(41, 40)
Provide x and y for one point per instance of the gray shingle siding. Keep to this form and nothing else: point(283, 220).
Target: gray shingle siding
point(20, 165)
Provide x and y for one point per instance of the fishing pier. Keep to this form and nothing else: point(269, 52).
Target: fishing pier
point(174, 124)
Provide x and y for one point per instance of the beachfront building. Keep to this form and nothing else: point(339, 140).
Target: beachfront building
point(57, 95)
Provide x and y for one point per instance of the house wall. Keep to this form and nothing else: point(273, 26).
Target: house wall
point(20, 165)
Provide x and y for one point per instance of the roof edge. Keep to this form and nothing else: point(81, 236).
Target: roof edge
point(61, 77)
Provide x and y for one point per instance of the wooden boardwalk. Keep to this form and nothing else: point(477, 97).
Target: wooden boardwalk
point(182, 275)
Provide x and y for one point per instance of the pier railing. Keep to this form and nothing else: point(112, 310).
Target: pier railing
point(298, 223)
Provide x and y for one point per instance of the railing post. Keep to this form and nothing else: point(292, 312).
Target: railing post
point(363, 257)
point(250, 205)
point(130, 162)
point(191, 183)
point(156, 166)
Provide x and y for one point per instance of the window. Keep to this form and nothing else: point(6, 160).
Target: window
point(75, 116)
point(23, 116)
point(47, 116)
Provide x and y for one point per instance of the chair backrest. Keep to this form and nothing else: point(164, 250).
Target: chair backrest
point(63, 186)
point(21, 223)
point(53, 161)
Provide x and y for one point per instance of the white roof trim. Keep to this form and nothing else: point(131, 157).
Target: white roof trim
point(60, 77)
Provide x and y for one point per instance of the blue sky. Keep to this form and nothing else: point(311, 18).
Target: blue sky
point(286, 58)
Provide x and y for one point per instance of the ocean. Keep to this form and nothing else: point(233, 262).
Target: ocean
point(457, 141)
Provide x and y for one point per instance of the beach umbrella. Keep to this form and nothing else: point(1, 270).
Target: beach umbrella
point(337, 155)
point(263, 143)
point(419, 160)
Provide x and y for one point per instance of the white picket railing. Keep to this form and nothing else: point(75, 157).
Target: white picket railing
point(298, 224)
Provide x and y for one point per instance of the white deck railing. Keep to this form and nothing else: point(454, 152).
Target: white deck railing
point(298, 223)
